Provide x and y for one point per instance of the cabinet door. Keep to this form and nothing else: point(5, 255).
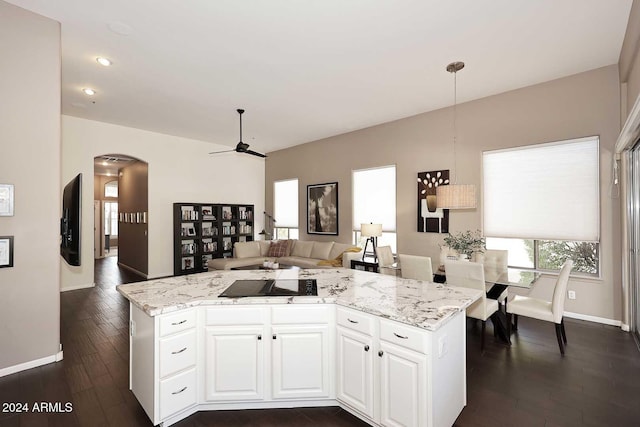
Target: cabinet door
point(300, 361)
point(234, 363)
point(355, 370)
point(403, 387)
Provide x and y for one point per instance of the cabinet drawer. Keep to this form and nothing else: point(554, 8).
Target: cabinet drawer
point(177, 393)
point(177, 353)
point(355, 320)
point(176, 322)
point(300, 314)
point(236, 315)
point(404, 335)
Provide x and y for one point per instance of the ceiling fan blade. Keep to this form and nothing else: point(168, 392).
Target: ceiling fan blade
point(220, 152)
point(255, 153)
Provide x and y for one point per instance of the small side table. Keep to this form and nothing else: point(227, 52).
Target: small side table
point(371, 266)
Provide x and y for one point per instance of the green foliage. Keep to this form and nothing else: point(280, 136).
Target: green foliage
point(466, 242)
point(553, 253)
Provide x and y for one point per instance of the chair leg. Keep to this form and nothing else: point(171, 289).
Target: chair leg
point(564, 334)
point(515, 322)
point(509, 316)
point(484, 326)
point(559, 336)
point(505, 305)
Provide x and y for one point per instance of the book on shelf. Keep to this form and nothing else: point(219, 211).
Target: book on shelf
point(189, 213)
point(226, 212)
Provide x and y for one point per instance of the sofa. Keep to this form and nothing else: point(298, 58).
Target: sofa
point(303, 254)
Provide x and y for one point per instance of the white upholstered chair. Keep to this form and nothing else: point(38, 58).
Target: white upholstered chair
point(416, 267)
point(495, 263)
point(386, 262)
point(471, 275)
point(550, 311)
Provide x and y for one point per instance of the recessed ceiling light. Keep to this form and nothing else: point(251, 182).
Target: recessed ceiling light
point(103, 61)
point(89, 91)
point(105, 163)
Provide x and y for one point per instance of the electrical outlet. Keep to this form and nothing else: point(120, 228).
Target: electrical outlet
point(572, 294)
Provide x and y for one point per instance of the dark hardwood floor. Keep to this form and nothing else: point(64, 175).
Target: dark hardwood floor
point(597, 383)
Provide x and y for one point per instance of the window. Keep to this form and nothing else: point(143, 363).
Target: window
point(374, 201)
point(111, 189)
point(541, 203)
point(285, 210)
point(111, 218)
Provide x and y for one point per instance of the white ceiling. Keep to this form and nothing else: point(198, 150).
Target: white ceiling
point(305, 70)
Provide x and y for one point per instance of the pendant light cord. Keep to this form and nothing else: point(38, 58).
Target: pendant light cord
point(455, 124)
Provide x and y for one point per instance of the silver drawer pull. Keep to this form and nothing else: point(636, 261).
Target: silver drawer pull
point(179, 323)
point(400, 336)
point(179, 391)
point(179, 351)
point(352, 321)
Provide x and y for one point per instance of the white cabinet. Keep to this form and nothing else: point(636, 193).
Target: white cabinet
point(163, 374)
point(300, 361)
point(403, 386)
point(355, 370)
point(234, 363)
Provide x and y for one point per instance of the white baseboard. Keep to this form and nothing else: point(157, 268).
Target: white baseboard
point(31, 364)
point(75, 288)
point(595, 319)
point(134, 270)
point(625, 327)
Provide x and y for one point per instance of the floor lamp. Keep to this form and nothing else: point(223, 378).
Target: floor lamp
point(269, 224)
point(371, 232)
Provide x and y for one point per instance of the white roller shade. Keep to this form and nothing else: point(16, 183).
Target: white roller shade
point(546, 191)
point(374, 197)
point(285, 195)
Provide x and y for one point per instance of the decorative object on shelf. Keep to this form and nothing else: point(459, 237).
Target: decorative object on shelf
point(6, 199)
point(431, 218)
point(241, 147)
point(322, 209)
point(269, 224)
point(6, 251)
point(371, 232)
point(454, 195)
point(466, 243)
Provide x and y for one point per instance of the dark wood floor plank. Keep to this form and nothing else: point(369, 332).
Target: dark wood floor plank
point(527, 384)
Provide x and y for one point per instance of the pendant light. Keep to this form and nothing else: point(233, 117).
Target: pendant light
point(454, 195)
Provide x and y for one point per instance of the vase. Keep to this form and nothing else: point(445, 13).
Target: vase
point(431, 202)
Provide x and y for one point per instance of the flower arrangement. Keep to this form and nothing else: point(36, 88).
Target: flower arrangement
point(466, 242)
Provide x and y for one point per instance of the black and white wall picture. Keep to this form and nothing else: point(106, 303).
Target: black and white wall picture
point(322, 208)
point(430, 218)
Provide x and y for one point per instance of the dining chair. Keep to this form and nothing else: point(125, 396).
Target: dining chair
point(385, 256)
point(495, 261)
point(549, 311)
point(416, 267)
point(471, 275)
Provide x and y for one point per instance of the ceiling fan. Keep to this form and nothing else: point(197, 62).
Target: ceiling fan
point(241, 147)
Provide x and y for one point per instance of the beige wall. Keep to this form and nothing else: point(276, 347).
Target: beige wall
point(630, 58)
point(580, 105)
point(180, 170)
point(133, 196)
point(30, 160)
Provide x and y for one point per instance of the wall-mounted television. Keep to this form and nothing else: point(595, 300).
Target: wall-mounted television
point(70, 223)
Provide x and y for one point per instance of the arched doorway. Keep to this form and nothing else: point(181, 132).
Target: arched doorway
point(120, 215)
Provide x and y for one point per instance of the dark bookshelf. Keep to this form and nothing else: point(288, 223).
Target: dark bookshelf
point(203, 231)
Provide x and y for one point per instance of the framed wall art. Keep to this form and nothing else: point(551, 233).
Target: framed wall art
point(6, 251)
point(6, 199)
point(322, 209)
point(430, 218)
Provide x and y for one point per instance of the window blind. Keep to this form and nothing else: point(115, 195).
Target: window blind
point(285, 211)
point(546, 191)
point(374, 197)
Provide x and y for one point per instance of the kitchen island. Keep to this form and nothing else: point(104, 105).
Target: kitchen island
point(389, 350)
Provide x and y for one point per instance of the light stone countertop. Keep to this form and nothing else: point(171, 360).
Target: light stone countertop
point(426, 305)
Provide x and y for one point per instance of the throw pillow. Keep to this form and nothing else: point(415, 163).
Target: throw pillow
point(278, 248)
point(246, 249)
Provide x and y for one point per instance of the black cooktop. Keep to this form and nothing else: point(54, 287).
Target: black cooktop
point(271, 287)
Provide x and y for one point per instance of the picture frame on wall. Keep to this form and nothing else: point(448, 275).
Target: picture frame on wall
point(6, 199)
point(432, 219)
point(6, 251)
point(322, 209)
